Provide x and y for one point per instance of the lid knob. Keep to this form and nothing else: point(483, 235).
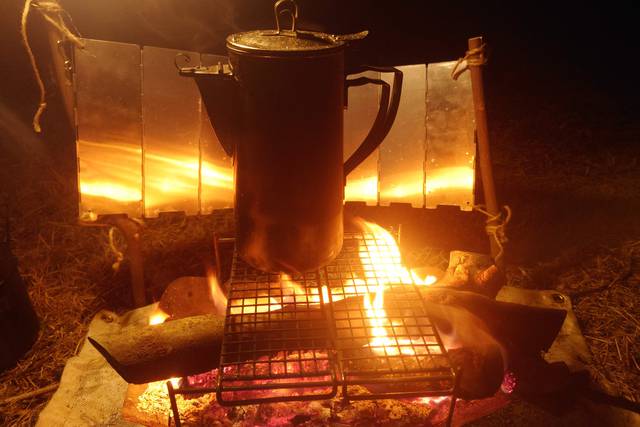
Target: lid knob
point(286, 6)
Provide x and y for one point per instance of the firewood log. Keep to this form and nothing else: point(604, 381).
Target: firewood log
point(191, 345)
point(521, 329)
point(474, 272)
point(145, 353)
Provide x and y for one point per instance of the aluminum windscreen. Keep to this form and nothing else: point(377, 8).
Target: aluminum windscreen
point(146, 145)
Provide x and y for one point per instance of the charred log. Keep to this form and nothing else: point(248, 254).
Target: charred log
point(490, 332)
point(521, 329)
point(140, 354)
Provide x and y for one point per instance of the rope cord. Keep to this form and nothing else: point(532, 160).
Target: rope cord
point(114, 249)
point(53, 13)
point(495, 226)
point(473, 57)
point(23, 30)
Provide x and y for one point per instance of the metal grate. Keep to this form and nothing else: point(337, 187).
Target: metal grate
point(282, 343)
point(385, 342)
point(277, 344)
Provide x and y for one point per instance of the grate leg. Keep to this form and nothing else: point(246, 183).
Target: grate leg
point(174, 404)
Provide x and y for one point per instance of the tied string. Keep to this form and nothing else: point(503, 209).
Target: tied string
point(473, 57)
point(114, 248)
point(52, 13)
point(495, 226)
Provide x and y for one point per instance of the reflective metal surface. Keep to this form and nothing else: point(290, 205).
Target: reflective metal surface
point(402, 153)
point(145, 144)
point(109, 129)
point(362, 182)
point(450, 151)
point(216, 174)
point(171, 119)
point(428, 158)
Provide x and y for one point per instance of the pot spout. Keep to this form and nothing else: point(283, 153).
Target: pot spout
point(219, 92)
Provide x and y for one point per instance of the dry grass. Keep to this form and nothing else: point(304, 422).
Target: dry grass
point(69, 277)
point(604, 285)
point(68, 270)
point(610, 317)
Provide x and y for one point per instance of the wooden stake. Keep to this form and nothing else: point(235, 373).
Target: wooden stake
point(484, 152)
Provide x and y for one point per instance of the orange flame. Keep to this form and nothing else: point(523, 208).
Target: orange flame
point(293, 292)
point(380, 256)
point(217, 295)
point(158, 316)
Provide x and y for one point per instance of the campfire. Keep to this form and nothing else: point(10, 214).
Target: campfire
point(363, 328)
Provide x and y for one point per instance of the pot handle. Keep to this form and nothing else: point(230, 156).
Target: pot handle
point(389, 102)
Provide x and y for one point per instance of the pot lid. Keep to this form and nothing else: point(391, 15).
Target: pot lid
point(288, 42)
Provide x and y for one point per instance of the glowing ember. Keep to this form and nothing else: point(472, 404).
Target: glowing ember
point(204, 409)
point(509, 382)
point(432, 400)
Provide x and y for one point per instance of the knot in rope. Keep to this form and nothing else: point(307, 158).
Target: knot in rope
point(48, 6)
point(495, 227)
point(114, 248)
point(473, 57)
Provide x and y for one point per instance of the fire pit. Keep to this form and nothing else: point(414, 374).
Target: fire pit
point(316, 375)
point(329, 330)
point(364, 327)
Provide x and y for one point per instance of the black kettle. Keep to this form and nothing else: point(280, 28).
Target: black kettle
point(277, 108)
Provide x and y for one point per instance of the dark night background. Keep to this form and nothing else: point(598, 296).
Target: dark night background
point(537, 45)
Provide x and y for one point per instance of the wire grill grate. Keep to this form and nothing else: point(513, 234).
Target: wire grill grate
point(300, 341)
point(276, 337)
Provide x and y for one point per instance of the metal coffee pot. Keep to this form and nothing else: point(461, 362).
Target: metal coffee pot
point(277, 108)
